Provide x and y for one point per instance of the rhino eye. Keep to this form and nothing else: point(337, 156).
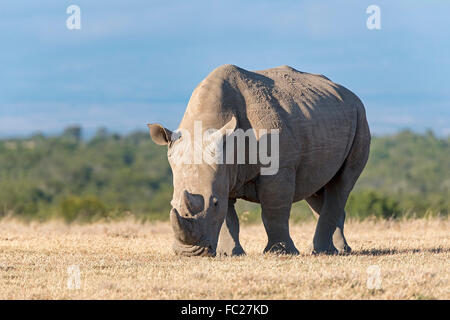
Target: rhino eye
point(215, 201)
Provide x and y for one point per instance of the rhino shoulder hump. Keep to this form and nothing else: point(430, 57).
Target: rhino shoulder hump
point(286, 67)
point(225, 70)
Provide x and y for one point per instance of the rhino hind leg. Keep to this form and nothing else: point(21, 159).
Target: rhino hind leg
point(329, 206)
point(315, 203)
point(330, 225)
point(276, 194)
point(228, 244)
point(329, 235)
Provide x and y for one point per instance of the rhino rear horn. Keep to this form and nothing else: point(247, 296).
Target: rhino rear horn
point(229, 127)
point(159, 134)
point(194, 202)
point(226, 130)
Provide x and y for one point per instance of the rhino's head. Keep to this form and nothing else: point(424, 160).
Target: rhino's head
point(200, 196)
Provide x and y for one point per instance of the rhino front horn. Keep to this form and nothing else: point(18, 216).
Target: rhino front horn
point(186, 230)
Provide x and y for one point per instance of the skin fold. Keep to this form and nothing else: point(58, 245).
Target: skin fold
point(324, 142)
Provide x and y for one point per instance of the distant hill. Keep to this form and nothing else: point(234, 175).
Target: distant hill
point(111, 175)
point(413, 169)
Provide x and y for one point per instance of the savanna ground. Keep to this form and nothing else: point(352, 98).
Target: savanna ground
point(131, 260)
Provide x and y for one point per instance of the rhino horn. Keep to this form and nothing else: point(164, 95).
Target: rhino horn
point(186, 229)
point(194, 202)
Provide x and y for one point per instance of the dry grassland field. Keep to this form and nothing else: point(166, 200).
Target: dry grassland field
point(131, 260)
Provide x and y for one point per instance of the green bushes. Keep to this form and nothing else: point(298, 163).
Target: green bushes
point(83, 209)
point(110, 175)
point(368, 203)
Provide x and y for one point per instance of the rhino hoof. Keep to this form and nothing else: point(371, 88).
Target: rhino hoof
point(281, 248)
point(329, 251)
point(236, 251)
point(344, 250)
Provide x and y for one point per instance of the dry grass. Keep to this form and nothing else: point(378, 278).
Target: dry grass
point(128, 260)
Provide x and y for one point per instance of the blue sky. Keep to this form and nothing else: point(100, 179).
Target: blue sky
point(135, 62)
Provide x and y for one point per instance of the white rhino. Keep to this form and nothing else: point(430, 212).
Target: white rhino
point(324, 142)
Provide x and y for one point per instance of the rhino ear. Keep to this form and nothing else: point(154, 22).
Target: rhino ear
point(159, 134)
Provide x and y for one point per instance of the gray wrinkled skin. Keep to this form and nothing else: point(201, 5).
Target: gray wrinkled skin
point(324, 146)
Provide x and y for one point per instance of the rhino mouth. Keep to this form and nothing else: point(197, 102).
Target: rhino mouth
point(188, 238)
point(193, 250)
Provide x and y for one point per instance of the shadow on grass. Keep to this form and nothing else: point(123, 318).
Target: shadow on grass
point(385, 252)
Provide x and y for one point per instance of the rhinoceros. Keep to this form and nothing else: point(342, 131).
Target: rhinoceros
point(323, 146)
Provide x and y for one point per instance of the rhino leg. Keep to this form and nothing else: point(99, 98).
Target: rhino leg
point(276, 194)
point(326, 224)
point(330, 225)
point(229, 244)
point(339, 240)
point(335, 195)
point(315, 203)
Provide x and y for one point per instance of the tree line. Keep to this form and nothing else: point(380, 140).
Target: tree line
point(111, 176)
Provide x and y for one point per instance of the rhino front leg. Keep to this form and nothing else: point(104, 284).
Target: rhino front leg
point(229, 244)
point(276, 194)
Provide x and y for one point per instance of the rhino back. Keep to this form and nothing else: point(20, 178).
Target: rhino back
point(316, 117)
point(321, 119)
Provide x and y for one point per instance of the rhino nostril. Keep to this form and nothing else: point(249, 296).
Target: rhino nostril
point(183, 213)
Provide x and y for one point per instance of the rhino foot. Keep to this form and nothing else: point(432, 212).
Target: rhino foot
point(281, 248)
point(236, 251)
point(335, 249)
point(340, 243)
point(345, 249)
point(331, 250)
